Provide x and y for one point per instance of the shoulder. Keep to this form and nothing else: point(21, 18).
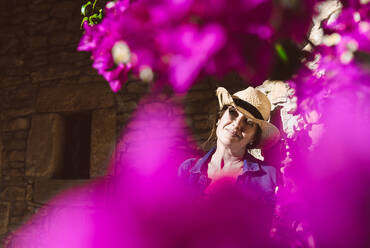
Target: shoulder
point(185, 166)
point(269, 168)
point(271, 171)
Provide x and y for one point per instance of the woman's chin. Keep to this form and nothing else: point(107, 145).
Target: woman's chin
point(231, 142)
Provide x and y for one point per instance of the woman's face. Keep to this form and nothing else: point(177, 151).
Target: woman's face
point(235, 129)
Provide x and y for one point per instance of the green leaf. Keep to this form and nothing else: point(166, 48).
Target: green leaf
point(83, 8)
point(94, 4)
point(281, 52)
point(93, 19)
point(84, 20)
point(94, 16)
point(100, 15)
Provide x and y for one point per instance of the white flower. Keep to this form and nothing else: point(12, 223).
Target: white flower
point(121, 53)
point(146, 74)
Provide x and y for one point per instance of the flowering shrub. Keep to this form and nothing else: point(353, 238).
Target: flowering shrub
point(176, 42)
point(340, 67)
point(328, 158)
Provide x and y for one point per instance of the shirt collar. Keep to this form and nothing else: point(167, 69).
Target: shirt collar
point(202, 164)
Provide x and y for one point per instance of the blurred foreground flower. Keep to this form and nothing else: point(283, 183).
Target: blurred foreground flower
point(179, 41)
point(329, 160)
point(145, 204)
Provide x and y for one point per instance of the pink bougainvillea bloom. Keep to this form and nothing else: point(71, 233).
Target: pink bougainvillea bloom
point(115, 76)
point(191, 51)
point(327, 155)
point(145, 204)
point(203, 37)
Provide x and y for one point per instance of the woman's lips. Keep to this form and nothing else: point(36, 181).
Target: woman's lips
point(234, 133)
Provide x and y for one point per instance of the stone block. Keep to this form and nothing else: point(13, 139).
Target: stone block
point(25, 94)
point(7, 136)
point(203, 85)
point(122, 118)
point(74, 98)
point(1, 155)
point(16, 220)
point(29, 193)
point(44, 74)
point(15, 165)
point(42, 6)
point(137, 87)
point(20, 134)
point(6, 38)
point(55, 72)
point(21, 182)
point(46, 189)
point(12, 193)
point(199, 117)
point(316, 35)
point(45, 145)
point(36, 17)
point(276, 91)
point(4, 216)
point(198, 96)
point(62, 39)
point(38, 61)
point(37, 42)
point(15, 156)
point(14, 61)
point(17, 241)
point(89, 79)
point(190, 109)
point(19, 208)
point(198, 107)
point(122, 100)
point(202, 125)
point(12, 113)
point(18, 73)
point(23, 97)
point(15, 145)
point(103, 138)
point(13, 81)
point(13, 172)
point(63, 9)
point(128, 106)
point(16, 124)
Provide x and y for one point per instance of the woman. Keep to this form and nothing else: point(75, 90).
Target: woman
point(241, 124)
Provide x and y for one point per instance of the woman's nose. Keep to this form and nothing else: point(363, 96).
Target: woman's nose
point(238, 122)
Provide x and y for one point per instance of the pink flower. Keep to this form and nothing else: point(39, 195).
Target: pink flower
point(180, 41)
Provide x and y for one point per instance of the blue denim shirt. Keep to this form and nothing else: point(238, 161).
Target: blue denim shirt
point(255, 176)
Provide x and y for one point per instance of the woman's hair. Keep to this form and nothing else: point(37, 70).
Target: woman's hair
point(212, 138)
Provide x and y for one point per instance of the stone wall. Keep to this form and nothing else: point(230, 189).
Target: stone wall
point(43, 80)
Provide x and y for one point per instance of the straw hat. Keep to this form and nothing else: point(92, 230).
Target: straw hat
point(255, 105)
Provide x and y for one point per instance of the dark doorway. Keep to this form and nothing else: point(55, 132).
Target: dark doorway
point(76, 164)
